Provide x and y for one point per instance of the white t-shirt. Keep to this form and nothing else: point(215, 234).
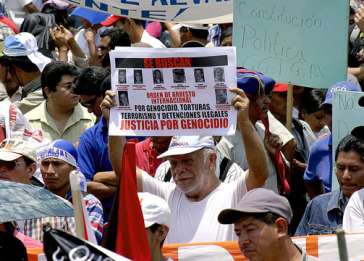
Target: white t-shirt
point(197, 221)
point(16, 10)
point(148, 39)
point(82, 42)
point(353, 221)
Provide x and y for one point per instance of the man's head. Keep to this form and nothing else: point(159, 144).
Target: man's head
point(89, 87)
point(327, 104)
point(349, 159)
point(58, 80)
point(278, 104)
point(17, 160)
point(111, 38)
point(258, 87)
point(195, 33)
point(21, 58)
point(157, 218)
point(56, 163)
point(193, 162)
point(261, 220)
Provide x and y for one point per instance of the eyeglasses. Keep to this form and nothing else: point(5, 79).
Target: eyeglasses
point(183, 29)
point(89, 103)
point(68, 85)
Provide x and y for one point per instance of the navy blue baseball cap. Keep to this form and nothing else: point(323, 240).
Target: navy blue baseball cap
point(340, 86)
point(250, 81)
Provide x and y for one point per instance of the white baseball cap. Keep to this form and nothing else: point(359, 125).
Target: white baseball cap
point(25, 44)
point(155, 210)
point(181, 145)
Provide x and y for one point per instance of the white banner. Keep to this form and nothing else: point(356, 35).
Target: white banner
point(167, 92)
point(186, 11)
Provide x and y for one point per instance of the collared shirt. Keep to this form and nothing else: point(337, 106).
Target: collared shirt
point(77, 123)
point(93, 154)
point(323, 214)
point(319, 166)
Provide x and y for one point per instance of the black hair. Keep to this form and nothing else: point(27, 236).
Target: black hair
point(311, 100)
point(199, 33)
point(105, 85)
point(351, 143)
point(117, 37)
point(90, 79)
point(28, 161)
point(53, 73)
point(22, 62)
point(61, 15)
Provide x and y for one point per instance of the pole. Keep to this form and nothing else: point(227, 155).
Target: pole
point(341, 241)
point(289, 107)
point(77, 203)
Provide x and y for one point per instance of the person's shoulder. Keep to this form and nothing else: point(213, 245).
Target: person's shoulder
point(321, 144)
point(36, 113)
point(322, 199)
point(83, 114)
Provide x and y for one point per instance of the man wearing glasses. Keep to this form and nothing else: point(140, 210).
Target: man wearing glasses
point(93, 157)
point(60, 116)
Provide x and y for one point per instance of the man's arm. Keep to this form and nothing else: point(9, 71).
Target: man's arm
point(117, 143)
point(255, 152)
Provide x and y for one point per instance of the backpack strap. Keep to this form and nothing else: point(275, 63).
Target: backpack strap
point(224, 168)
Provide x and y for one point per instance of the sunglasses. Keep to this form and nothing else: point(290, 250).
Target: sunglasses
point(89, 103)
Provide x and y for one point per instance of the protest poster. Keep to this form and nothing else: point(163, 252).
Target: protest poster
point(345, 103)
point(164, 93)
point(293, 41)
point(187, 11)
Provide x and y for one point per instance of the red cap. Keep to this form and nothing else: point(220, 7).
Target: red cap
point(112, 19)
point(280, 87)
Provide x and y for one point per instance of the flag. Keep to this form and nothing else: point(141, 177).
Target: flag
point(126, 234)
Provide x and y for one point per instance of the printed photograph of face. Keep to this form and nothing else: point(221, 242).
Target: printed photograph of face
point(179, 76)
point(219, 74)
point(157, 76)
point(122, 76)
point(199, 75)
point(138, 77)
point(123, 98)
point(221, 96)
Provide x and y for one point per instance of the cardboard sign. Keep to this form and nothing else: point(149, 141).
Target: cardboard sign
point(347, 114)
point(293, 41)
point(164, 93)
point(187, 11)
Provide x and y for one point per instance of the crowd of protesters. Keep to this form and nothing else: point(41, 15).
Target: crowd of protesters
point(259, 186)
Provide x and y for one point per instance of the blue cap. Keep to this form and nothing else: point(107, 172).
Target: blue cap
point(60, 149)
point(94, 17)
point(340, 86)
point(249, 81)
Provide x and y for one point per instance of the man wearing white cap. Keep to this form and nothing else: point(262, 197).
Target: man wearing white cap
point(24, 64)
point(197, 196)
point(157, 219)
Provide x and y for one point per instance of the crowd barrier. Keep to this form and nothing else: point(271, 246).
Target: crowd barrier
point(324, 247)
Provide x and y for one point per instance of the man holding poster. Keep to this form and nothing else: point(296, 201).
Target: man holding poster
point(197, 196)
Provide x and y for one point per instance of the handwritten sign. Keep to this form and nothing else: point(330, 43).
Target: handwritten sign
point(187, 11)
point(164, 93)
point(301, 42)
point(344, 104)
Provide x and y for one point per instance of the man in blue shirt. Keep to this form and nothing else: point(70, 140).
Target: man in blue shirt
point(94, 160)
point(324, 214)
point(317, 176)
